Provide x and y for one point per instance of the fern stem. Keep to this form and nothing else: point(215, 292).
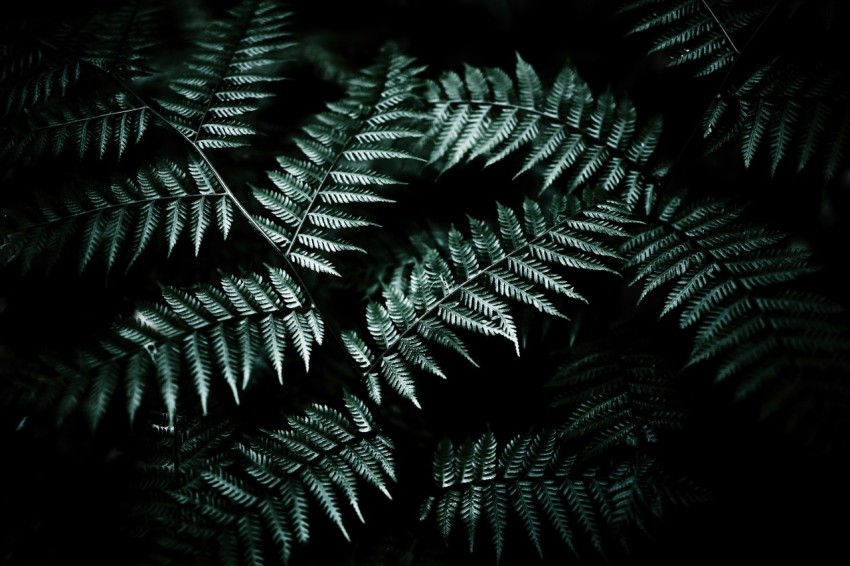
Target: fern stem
point(720, 25)
point(617, 152)
point(718, 94)
point(89, 118)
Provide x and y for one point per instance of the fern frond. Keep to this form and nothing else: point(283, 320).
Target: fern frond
point(725, 278)
point(120, 218)
point(342, 157)
point(767, 336)
point(30, 75)
point(200, 335)
point(793, 112)
point(105, 126)
point(228, 75)
point(617, 394)
point(116, 41)
point(517, 262)
point(705, 35)
point(255, 493)
point(533, 481)
point(566, 131)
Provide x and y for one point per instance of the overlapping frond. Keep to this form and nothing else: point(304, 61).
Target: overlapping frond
point(565, 132)
point(705, 35)
point(198, 336)
point(345, 157)
point(534, 484)
point(31, 74)
point(519, 260)
point(116, 41)
point(725, 278)
point(103, 126)
point(617, 394)
point(252, 499)
point(118, 219)
point(796, 112)
point(228, 75)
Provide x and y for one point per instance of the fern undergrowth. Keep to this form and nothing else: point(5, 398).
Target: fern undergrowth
point(280, 292)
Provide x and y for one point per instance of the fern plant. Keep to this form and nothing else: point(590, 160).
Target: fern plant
point(226, 296)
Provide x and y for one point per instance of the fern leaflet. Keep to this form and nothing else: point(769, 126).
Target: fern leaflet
point(786, 109)
point(725, 278)
point(228, 75)
point(698, 33)
point(253, 492)
point(344, 147)
point(223, 330)
point(105, 126)
point(116, 41)
point(616, 394)
point(471, 289)
point(121, 217)
point(566, 132)
point(31, 74)
point(532, 480)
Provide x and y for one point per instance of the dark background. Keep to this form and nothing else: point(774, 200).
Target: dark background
point(778, 493)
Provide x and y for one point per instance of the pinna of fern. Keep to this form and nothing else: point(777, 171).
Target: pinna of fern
point(797, 112)
point(229, 74)
point(728, 280)
point(38, 62)
point(565, 132)
point(224, 330)
point(517, 261)
point(117, 41)
point(533, 482)
point(120, 219)
point(614, 393)
point(345, 155)
point(39, 69)
point(126, 213)
point(241, 495)
point(704, 35)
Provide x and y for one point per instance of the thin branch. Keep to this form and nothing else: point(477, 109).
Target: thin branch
point(720, 25)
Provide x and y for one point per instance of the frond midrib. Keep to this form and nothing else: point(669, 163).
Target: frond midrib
point(136, 202)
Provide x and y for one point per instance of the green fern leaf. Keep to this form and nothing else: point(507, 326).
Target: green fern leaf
point(534, 481)
point(30, 74)
point(799, 110)
point(116, 41)
point(256, 489)
point(699, 34)
point(105, 125)
point(616, 394)
point(205, 332)
point(119, 218)
point(726, 279)
point(566, 131)
point(345, 146)
point(473, 287)
point(228, 75)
